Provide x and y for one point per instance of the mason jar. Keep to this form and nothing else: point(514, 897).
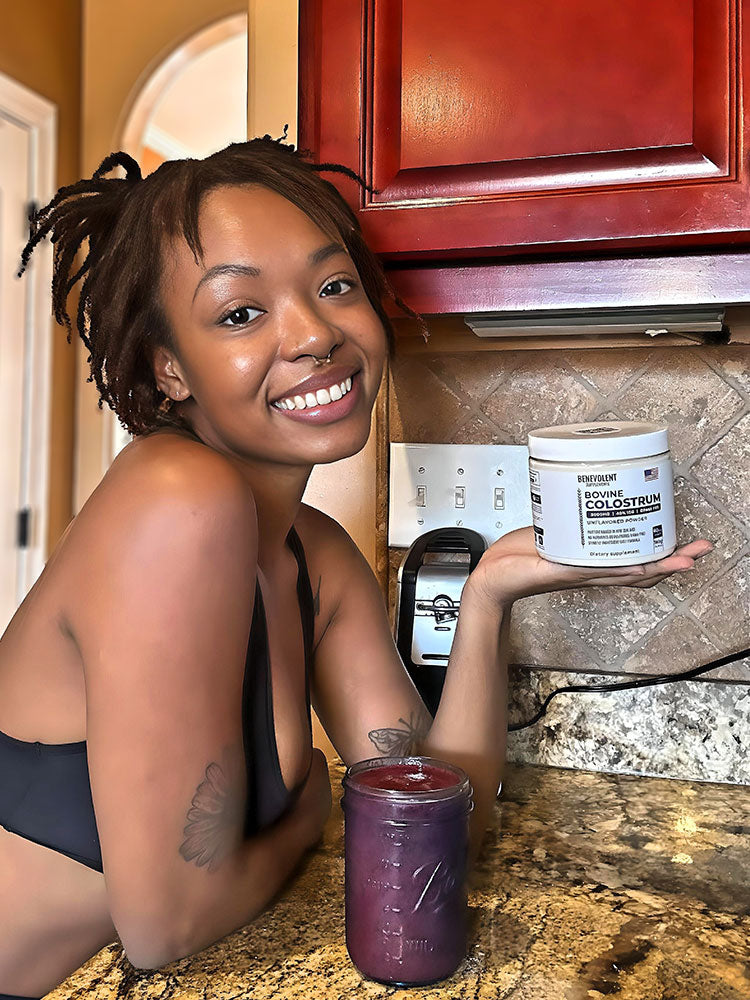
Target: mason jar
point(406, 850)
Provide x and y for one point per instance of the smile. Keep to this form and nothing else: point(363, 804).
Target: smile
point(321, 397)
point(326, 405)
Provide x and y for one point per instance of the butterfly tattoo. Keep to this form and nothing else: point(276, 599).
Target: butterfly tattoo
point(402, 742)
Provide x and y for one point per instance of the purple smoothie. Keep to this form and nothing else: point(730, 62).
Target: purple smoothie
point(406, 845)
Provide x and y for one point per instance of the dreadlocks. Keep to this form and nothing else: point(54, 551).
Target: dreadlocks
point(122, 224)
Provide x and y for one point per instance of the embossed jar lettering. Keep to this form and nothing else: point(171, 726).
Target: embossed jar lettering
point(406, 847)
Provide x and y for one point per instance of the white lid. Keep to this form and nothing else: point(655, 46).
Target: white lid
point(601, 441)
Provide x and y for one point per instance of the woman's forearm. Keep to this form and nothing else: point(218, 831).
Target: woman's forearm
point(470, 726)
point(236, 892)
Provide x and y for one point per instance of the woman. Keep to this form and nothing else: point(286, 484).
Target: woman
point(157, 776)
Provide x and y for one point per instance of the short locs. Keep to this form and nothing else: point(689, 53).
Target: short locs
point(121, 224)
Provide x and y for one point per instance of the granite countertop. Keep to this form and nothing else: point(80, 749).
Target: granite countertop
point(590, 885)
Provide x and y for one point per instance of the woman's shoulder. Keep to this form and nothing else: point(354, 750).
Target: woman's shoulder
point(319, 529)
point(169, 515)
point(164, 481)
point(170, 459)
point(327, 544)
point(170, 470)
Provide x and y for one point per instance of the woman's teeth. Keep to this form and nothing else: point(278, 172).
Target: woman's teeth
point(320, 398)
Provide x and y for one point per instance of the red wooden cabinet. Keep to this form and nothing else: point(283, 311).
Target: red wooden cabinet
point(493, 127)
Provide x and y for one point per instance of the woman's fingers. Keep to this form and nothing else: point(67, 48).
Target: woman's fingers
point(627, 581)
point(700, 547)
point(682, 560)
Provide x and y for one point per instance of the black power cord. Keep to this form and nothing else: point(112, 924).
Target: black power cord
point(684, 675)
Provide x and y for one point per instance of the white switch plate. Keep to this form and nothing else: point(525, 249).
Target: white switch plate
point(441, 476)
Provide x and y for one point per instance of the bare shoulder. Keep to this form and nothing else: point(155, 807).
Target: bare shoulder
point(176, 466)
point(167, 505)
point(167, 476)
point(327, 543)
point(339, 573)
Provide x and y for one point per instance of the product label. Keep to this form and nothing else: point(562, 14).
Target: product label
point(583, 516)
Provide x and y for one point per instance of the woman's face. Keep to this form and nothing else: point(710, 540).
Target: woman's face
point(272, 294)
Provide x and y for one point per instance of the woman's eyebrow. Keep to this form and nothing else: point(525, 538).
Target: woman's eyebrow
point(236, 270)
point(321, 255)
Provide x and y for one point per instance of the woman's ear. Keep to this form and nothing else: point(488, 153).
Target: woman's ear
point(169, 375)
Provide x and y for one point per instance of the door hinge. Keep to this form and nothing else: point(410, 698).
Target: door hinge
point(23, 530)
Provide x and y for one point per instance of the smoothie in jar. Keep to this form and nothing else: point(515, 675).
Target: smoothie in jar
point(406, 847)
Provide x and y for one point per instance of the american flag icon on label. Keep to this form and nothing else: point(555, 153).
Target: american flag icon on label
point(651, 474)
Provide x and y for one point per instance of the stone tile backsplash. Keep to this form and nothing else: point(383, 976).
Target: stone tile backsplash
point(703, 394)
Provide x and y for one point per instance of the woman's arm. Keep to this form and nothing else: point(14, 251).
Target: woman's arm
point(162, 568)
point(470, 726)
point(364, 696)
point(369, 705)
point(251, 877)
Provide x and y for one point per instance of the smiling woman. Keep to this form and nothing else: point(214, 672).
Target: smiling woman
point(235, 322)
point(157, 776)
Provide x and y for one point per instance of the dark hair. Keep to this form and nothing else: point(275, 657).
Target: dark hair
point(125, 221)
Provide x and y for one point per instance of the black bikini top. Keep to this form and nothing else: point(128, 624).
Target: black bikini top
point(45, 793)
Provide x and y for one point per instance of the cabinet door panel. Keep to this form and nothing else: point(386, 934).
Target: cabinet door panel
point(561, 90)
point(491, 127)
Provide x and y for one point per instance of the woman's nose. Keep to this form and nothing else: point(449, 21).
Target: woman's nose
point(308, 333)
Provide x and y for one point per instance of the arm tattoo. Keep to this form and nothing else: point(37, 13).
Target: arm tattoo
point(214, 820)
point(402, 742)
point(316, 599)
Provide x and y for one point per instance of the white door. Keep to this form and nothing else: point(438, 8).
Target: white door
point(15, 156)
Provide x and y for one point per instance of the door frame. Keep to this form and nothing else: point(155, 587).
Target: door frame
point(39, 117)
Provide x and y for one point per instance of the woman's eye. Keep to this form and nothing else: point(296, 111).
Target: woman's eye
point(241, 316)
point(337, 287)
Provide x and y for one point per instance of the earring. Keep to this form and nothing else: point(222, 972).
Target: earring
point(165, 405)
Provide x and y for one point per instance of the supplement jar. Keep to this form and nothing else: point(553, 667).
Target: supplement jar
point(406, 846)
point(601, 493)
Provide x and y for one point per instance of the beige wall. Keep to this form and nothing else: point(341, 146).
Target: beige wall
point(122, 45)
point(40, 47)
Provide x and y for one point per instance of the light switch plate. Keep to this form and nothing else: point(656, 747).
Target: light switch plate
point(426, 481)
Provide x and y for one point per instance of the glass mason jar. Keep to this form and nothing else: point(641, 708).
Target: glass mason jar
point(406, 849)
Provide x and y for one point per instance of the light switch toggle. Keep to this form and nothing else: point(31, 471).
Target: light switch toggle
point(421, 496)
point(460, 496)
point(499, 503)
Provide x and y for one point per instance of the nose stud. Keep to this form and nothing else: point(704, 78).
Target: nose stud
point(324, 361)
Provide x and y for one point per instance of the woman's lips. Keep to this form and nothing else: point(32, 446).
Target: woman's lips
point(328, 412)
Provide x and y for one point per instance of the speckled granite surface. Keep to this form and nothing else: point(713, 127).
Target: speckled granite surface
point(591, 885)
point(698, 730)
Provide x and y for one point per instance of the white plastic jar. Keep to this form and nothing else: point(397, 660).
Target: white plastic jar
point(602, 493)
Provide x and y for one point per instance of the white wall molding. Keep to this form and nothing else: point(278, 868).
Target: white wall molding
point(39, 117)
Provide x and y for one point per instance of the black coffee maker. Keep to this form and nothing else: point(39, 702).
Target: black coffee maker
point(430, 581)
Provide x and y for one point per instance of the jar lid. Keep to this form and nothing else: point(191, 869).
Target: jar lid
point(601, 441)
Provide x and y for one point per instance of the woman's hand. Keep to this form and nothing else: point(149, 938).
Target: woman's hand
point(314, 803)
point(511, 568)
